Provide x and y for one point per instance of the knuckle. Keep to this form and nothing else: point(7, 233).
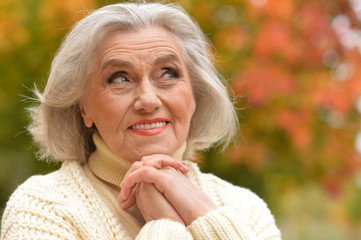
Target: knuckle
point(137, 164)
point(169, 170)
point(145, 158)
point(147, 170)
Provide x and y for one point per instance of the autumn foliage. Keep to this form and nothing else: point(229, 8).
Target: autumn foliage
point(298, 85)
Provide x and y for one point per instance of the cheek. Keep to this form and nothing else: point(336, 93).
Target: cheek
point(191, 101)
point(184, 105)
point(108, 110)
point(191, 106)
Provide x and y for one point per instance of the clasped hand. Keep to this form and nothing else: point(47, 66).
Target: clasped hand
point(158, 186)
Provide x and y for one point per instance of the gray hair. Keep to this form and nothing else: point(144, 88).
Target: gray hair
point(57, 125)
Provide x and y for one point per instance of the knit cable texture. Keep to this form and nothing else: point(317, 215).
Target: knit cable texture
point(64, 205)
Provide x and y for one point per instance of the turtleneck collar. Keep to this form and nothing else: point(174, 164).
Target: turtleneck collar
point(109, 167)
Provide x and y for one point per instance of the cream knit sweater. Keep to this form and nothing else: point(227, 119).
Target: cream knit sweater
point(66, 205)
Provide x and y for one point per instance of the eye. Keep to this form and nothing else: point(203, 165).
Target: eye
point(170, 73)
point(118, 77)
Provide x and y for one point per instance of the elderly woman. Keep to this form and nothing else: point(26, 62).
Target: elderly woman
point(131, 95)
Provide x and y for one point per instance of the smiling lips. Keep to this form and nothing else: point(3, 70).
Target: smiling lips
point(149, 127)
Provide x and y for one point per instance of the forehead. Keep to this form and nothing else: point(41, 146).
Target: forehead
point(147, 43)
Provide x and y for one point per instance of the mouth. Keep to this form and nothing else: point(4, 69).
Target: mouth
point(149, 127)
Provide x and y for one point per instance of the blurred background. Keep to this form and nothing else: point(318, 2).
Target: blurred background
point(296, 68)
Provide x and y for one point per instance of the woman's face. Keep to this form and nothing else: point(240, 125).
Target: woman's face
point(139, 94)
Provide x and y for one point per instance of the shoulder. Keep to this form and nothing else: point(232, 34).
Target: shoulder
point(62, 203)
point(49, 186)
point(39, 204)
point(53, 189)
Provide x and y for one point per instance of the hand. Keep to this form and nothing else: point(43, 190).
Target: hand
point(156, 161)
point(189, 202)
point(153, 205)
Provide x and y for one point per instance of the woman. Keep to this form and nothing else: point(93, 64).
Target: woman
point(131, 94)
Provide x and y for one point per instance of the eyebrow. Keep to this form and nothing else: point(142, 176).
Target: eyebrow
point(127, 64)
point(166, 58)
point(117, 62)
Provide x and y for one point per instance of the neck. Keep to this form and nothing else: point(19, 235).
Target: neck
point(109, 167)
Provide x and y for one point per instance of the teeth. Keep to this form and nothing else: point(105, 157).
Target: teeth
point(149, 125)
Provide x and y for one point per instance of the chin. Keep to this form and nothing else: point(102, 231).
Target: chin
point(138, 153)
point(157, 150)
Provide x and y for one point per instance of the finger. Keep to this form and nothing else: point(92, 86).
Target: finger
point(133, 167)
point(160, 161)
point(153, 205)
point(157, 161)
point(128, 203)
point(133, 192)
point(144, 174)
point(128, 187)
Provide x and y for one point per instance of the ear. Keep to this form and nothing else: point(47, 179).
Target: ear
point(88, 121)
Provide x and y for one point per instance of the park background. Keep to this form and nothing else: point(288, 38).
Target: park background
point(295, 66)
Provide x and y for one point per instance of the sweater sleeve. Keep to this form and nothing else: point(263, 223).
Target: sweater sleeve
point(228, 223)
point(164, 229)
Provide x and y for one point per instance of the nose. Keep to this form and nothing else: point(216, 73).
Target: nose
point(147, 99)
